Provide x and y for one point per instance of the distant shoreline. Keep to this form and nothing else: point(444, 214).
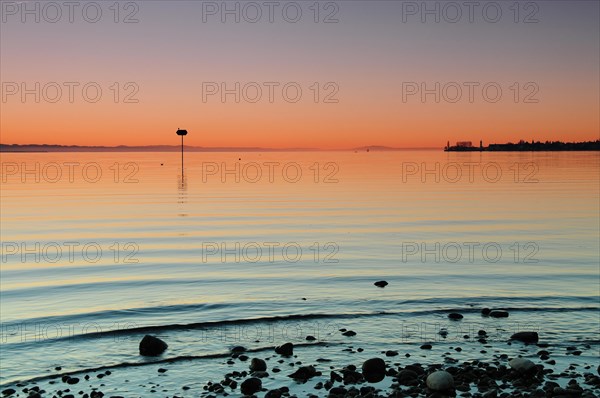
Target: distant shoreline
point(32, 148)
point(524, 146)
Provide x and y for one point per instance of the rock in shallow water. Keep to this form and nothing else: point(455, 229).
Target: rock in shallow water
point(373, 370)
point(258, 365)
point(286, 349)
point(440, 381)
point(274, 394)
point(304, 373)
point(499, 314)
point(407, 377)
point(455, 316)
point(521, 365)
point(381, 284)
point(238, 349)
point(151, 346)
point(526, 337)
point(251, 385)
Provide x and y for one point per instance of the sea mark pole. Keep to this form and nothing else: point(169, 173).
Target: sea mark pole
point(181, 133)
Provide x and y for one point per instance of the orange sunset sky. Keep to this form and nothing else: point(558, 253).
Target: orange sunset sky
point(160, 73)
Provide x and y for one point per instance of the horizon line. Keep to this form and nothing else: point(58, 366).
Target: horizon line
point(167, 148)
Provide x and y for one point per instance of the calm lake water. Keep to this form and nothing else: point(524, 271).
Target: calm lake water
point(257, 249)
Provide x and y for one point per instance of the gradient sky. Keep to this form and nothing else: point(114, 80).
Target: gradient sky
point(368, 54)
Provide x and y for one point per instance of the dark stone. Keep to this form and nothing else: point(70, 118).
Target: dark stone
point(337, 391)
point(286, 349)
point(526, 337)
point(250, 386)
point(273, 394)
point(349, 333)
point(391, 353)
point(407, 377)
point(350, 375)
point(310, 338)
point(381, 284)
point(238, 349)
point(258, 365)
point(373, 370)
point(455, 316)
point(305, 373)
point(8, 391)
point(426, 347)
point(499, 314)
point(485, 311)
point(333, 376)
point(151, 346)
point(260, 374)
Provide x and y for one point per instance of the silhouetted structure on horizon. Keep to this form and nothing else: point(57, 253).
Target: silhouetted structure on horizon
point(525, 146)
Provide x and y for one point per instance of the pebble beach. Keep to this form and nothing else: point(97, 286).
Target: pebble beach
point(522, 366)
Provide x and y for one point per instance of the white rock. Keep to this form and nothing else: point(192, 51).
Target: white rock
point(521, 364)
point(440, 381)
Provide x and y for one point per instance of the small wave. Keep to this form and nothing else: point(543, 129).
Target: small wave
point(440, 304)
point(130, 328)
